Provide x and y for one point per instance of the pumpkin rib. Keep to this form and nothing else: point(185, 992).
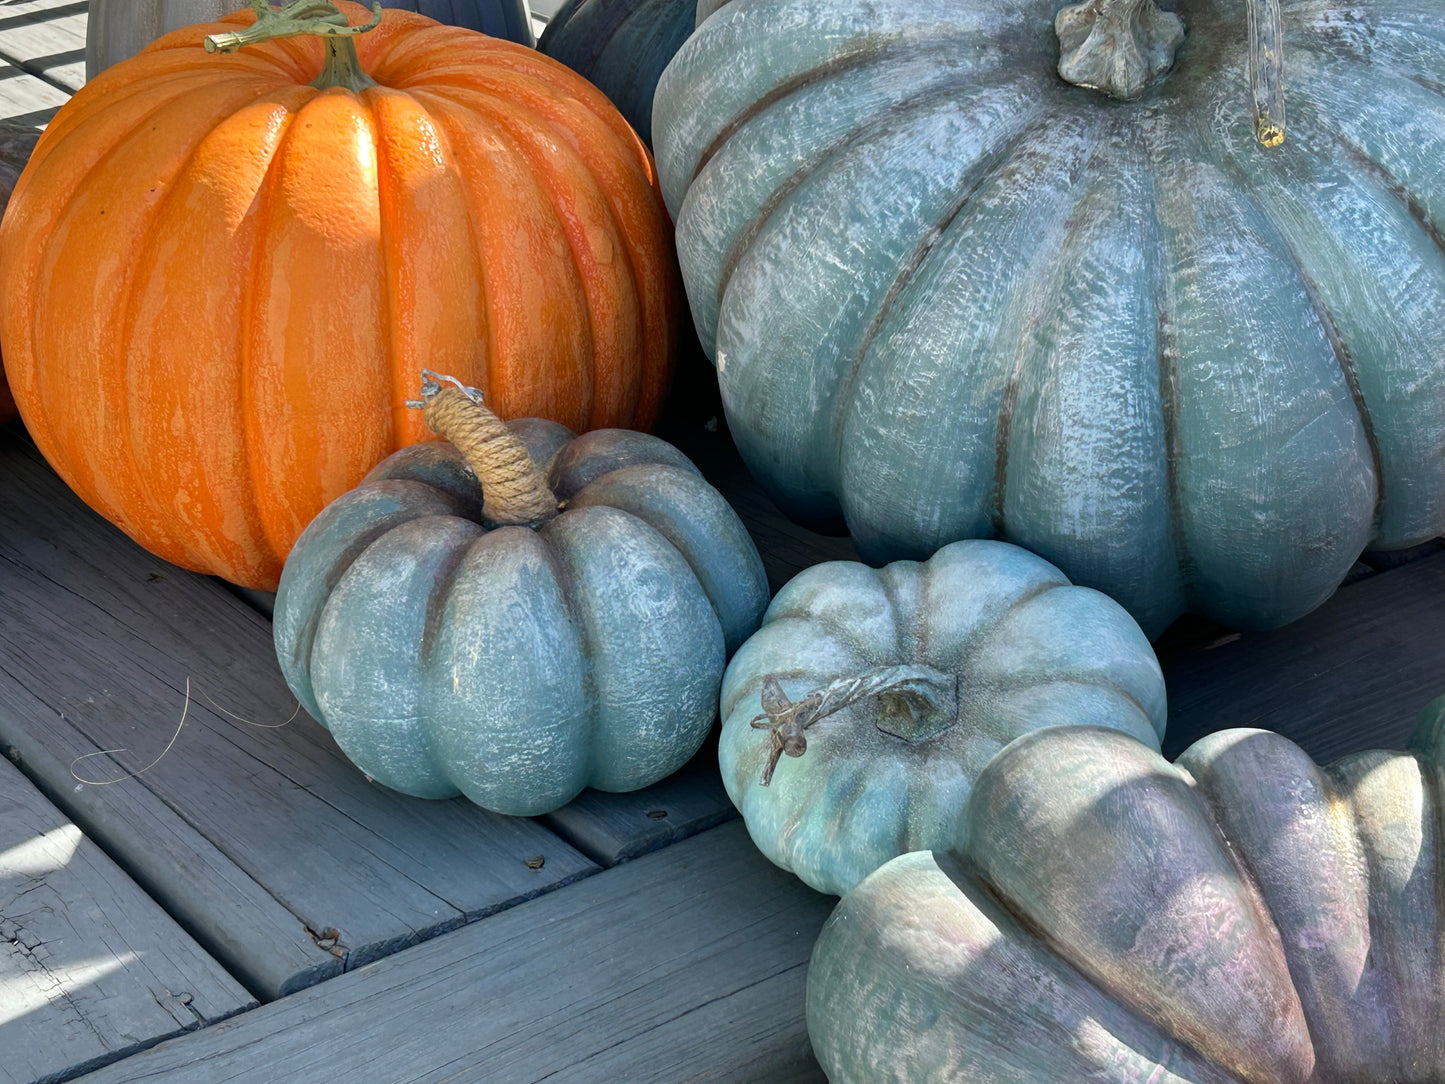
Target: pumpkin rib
point(845, 64)
point(512, 377)
point(476, 269)
point(629, 192)
point(1026, 284)
point(615, 337)
point(33, 253)
point(201, 551)
point(979, 271)
point(871, 126)
point(1268, 434)
point(136, 154)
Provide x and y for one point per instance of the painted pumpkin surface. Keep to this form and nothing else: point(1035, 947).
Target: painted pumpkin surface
point(1240, 916)
point(623, 45)
point(929, 670)
point(219, 281)
point(453, 649)
point(950, 294)
point(17, 142)
point(117, 29)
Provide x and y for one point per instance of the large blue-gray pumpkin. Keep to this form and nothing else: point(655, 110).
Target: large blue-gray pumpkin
point(1242, 915)
point(117, 29)
point(890, 690)
point(458, 637)
point(949, 294)
point(622, 46)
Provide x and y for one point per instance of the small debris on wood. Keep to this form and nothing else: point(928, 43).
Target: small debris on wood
point(537, 861)
point(657, 814)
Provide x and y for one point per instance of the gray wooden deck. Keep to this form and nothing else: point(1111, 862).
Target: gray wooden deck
point(249, 908)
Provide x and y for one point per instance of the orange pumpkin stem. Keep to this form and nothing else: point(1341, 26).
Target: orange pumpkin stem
point(514, 493)
point(322, 18)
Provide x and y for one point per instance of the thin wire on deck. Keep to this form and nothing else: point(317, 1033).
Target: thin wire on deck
point(131, 775)
point(185, 710)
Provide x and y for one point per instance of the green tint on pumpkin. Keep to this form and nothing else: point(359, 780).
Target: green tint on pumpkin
point(950, 295)
point(1019, 647)
point(518, 665)
point(1242, 915)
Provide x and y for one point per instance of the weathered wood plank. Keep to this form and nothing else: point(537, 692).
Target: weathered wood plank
point(612, 828)
point(687, 964)
point(91, 969)
point(1352, 675)
point(101, 641)
point(46, 38)
point(26, 99)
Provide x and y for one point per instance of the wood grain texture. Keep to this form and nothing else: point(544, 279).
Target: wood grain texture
point(25, 99)
point(91, 969)
point(612, 828)
point(46, 39)
point(101, 640)
point(684, 965)
point(1353, 675)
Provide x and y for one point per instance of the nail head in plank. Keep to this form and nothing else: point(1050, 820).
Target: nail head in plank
point(91, 969)
point(613, 828)
point(106, 635)
point(616, 967)
point(1352, 675)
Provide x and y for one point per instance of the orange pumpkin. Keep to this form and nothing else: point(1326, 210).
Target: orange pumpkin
point(217, 282)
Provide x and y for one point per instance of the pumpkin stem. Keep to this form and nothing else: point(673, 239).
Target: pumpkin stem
point(918, 703)
point(514, 493)
point(1266, 70)
point(1120, 47)
point(342, 67)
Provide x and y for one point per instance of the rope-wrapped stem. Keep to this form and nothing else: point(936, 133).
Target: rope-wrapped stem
point(342, 67)
point(1120, 47)
point(924, 704)
point(514, 492)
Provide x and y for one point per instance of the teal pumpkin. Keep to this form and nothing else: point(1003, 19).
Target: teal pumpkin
point(949, 294)
point(117, 29)
point(980, 644)
point(1240, 916)
point(622, 46)
point(451, 646)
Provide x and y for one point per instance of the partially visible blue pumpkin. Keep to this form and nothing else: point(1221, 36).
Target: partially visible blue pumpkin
point(1240, 917)
point(981, 643)
point(950, 295)
point(622, 46)
point(117, 29)
point(519, 664)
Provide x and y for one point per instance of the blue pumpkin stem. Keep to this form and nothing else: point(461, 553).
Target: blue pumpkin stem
point(1121, 47)
point(918, 703)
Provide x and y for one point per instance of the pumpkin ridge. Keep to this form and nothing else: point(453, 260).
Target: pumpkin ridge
point(198, 553)
point(565, 580)
point(756, 223)
point(838, 65)
point(35, 256)
point(477, 269)
point(124, 487)
point(1167, 350)
point(653, 296)
point(1040, 273)
point(614, 337)
point(401, 370)
point(512, 375)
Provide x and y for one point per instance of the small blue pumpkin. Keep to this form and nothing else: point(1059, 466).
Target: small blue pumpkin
point(890, 689)
point(538, 614)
